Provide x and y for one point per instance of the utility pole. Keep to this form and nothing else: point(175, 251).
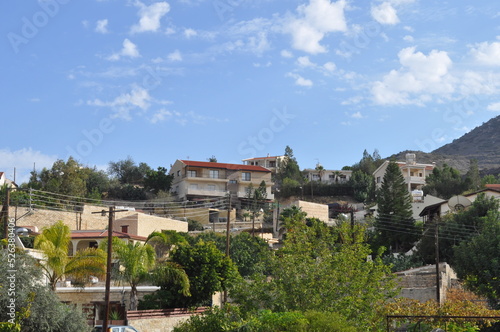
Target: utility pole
point(436, 238)
point(228, 238)
point(111, 215)
point(5, 213)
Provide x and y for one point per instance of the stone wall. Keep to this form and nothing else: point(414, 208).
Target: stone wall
point(420, 283)
point(313, 210)
point(159, 320)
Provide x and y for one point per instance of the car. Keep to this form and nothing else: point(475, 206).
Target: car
point(115, 328)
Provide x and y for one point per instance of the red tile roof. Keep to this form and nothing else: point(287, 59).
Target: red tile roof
point(234, 167)
point(92, 234)
point(493, 186)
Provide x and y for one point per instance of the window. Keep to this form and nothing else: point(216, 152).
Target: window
point(213, 174)
point(233, 181)
point(191, 174)
point(246, 176)
point(331, 176)
point(315, 177)
point(178, 173)
point(211, 187)
point(378, 179)
point(124, 228)
point(272, 164)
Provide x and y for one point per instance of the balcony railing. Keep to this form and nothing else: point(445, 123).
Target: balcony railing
point(205, 176)
point(206, 192)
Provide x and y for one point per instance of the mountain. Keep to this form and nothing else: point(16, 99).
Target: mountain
point(482, 143)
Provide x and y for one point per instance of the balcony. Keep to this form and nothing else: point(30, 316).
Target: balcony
point(415, 179)
point(206, 192)
point(205, 177)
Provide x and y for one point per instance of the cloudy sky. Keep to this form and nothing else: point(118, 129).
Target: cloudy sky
point(101, 80)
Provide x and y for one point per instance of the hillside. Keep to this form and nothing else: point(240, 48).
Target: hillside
point(482, 144)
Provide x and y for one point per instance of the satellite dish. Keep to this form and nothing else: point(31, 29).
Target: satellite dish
point(459, 203)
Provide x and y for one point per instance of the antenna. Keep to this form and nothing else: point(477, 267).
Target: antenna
point(459, 203)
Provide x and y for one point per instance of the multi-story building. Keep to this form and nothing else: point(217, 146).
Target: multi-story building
point(269, 162)
point(200, 179)
point(414, 174)
point(327, 176)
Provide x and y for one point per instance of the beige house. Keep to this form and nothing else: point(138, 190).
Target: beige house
point(413, 173)
point(89, 239)
point(327, 176)
point(200, 180)
point(140, 224)
point(4, 181)
point(269, 162)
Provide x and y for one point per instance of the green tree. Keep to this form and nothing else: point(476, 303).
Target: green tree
point(158, 180)
point(316, 271)
point(209, 271)
point(68, 178)
point(127, 172)
point(136, 262)
point(37, 307)
point(363, 186)
point(472, 178)
point(57, 264)
point(476, 260)
point(289, 168)
point(164, 241)
point(394, 225)
point(444, 182)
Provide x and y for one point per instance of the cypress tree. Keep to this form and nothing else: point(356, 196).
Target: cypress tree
point(395, 227)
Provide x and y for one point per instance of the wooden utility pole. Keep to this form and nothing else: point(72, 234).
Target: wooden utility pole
point(228, 238)
point(436, 238)
point(5, 213)
point(111, 215)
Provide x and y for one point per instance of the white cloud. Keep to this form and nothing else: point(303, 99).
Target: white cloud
point(357, 115)
point(304, 61)
point(300, 81)
point(188, 33)
point(385, 14)
point(163, 115)
point(286, 54)
point(329, 66)
point(408, 38)
point(420, 79)
point(23, 161)
point(137, 98)
point(314, 21)
point(494, 107)
point(175, 56)
point(486, 53)
point(102, 26)
point(150, 16)
point(129, 50)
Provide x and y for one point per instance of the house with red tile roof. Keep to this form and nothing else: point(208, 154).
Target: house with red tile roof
point(269, 162)
point(194, 180)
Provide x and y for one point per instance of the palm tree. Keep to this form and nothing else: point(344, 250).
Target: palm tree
point(54, 244)
point(164, 241)
point(136, 262)
point(321, 170)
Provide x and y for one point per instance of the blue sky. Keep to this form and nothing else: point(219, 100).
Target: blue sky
point(166, 80)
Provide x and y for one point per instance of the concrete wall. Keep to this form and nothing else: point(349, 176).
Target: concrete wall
point(159, 320)
point(86, 220)
point(144, 224)
point(313, 210)
point(420, 283)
